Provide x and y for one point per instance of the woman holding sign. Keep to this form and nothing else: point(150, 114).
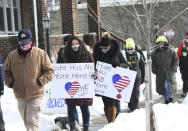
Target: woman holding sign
point(75, 52)
point(108, 51)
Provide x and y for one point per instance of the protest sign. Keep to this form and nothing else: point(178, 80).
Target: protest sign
point(70, 80)
point(113, 82)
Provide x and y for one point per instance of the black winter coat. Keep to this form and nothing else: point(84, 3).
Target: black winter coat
point(113, 56)
point(183, 64)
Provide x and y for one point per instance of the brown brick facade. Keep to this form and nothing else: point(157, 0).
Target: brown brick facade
point(94, 16)
point(69, 16)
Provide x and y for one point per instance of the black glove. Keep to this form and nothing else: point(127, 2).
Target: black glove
point(39, 83)
point(142, 81)
point(11, 84)
point(115, 63)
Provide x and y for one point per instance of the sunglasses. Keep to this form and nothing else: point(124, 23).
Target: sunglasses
point(130, 49)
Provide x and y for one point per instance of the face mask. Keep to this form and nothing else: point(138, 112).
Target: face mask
point(75, 47)
point(105, 50)
point(25, 47)
point(130, 51)
point(184, 53)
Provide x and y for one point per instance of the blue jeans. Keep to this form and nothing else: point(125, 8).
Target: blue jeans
point(73, 115)
point(168, 92)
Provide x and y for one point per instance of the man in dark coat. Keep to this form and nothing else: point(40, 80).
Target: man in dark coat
point(2, 124)
point(108, 51)
point(164, 65)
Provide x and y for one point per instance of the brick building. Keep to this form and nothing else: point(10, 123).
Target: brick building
point(18, 14)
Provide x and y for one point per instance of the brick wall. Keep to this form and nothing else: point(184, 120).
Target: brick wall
point(6, 46)
point(69, 16)
point(27, 12)
point(93, 7)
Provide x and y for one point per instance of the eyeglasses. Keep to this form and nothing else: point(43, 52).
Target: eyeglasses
point(130, 49)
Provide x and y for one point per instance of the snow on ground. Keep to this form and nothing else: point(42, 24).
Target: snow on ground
point(171, 117)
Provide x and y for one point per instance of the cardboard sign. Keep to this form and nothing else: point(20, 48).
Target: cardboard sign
point(70, 80)
point(115, 83)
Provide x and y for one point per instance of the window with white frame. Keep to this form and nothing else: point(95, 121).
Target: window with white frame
point(10, 18)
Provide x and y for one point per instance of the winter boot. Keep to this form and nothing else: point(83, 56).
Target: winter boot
point(110, 113)
point(86, 128)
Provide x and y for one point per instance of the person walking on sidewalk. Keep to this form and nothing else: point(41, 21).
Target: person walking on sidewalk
point(137, 64)
point(75, 52)
point(27, 70)
point(183, 64)
point(108, 50)
point(164, 66)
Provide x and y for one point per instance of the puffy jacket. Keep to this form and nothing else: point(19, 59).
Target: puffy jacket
point(24, 74)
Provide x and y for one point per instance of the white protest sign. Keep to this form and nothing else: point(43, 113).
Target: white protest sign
point(71, 80)
point(115, 83)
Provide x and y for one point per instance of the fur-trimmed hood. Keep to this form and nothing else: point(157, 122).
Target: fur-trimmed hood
point(112, 53)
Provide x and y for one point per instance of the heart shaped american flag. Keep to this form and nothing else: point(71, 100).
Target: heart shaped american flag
point(72, 88)
point(120, 82)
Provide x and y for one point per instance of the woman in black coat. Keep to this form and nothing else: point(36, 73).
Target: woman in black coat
point(108, 51)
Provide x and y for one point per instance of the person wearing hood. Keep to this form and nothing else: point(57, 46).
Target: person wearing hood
point(75, 52)
point(137, 64)
point(164, 66)
point(27, 70)
point(183, 64)
point(108, 50)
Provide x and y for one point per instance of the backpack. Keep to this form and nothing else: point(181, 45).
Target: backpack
point(124, 54)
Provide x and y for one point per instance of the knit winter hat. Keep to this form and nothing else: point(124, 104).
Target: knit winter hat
point(161, 39)
point(130, 43)
point(105, 41)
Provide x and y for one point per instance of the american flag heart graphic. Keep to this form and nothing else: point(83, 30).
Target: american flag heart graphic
point(72, 88)
point(120, 82)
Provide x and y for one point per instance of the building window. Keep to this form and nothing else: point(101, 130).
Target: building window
point(10, 18)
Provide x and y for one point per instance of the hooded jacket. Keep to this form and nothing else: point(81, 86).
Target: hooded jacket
point(22, 73)
point(164, 65)
point(113, 56)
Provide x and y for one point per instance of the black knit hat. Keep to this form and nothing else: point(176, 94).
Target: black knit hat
point(105, 41)
point(66, 38)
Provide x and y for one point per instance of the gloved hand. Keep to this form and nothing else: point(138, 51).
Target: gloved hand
point(39, 83)
point(142, 81)
point(115, 63)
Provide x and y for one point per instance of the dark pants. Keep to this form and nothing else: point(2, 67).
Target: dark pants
point(110, 102)
point(133, 104)
point(118, 107)
point(2, 124)
point(185, 86)
point(73, 115)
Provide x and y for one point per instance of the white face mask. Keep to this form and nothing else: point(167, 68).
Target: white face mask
point(184, 53)
point(75, 47)
point(130, 51)
point(105, 50)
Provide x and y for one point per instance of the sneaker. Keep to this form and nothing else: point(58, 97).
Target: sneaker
point(183, 95)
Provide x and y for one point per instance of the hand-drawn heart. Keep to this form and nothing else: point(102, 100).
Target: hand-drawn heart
point(72, 88)
point(120, 82)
